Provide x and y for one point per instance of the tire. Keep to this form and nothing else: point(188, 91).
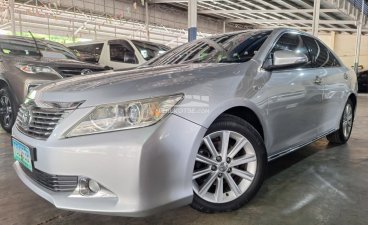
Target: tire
point(8, 108)
point(252, 169)
point(342, 135)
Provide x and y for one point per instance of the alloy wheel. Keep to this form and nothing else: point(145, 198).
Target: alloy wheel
point(347, 122)
point(5, 105)
point(225, 167)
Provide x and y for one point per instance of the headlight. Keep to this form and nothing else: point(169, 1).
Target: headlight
point(127, 115)
point(34, 69)
point(31, 87)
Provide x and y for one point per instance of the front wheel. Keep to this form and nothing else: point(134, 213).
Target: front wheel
point(7, 110)
point(229, 167)
point(342, 135)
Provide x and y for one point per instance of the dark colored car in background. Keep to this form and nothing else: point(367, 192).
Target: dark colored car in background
point(363, 81)
point(26, 63)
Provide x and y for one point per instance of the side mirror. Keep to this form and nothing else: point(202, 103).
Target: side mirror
point(287, 59)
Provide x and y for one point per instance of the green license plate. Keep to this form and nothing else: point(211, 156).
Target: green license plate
point(22, 154)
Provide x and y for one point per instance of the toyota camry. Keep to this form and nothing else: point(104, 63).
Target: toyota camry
point(197, 125)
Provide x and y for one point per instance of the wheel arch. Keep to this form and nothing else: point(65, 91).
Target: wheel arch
point(353, 98)
point(3, 83)
point(248, 115)
point(248, 112)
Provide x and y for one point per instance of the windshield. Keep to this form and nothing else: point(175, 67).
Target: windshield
point(27, 47)
point(150, 50)
point(227, 48)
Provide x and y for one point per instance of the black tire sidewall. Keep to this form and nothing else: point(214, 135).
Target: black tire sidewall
point(5, 91)
point(236, 124)
point(341, 130)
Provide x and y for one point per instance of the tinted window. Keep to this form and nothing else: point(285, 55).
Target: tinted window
point(291, 42)
point(150, 50)
point(227, 48)
point(320, 54)
point(88, 53)
point(121, 53)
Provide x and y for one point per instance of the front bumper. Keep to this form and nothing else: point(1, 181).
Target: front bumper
point(146, 170)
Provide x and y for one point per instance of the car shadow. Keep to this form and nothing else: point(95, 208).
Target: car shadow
point(278, 165)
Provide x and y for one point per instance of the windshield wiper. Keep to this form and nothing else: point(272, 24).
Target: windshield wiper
point(35, 41)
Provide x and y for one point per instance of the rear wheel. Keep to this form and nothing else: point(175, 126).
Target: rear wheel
point(7, 110)
point(229, 166)
point(342, 135)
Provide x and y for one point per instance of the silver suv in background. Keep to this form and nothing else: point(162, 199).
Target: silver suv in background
point(26, 63)
point(118, 53)
point(197, 125)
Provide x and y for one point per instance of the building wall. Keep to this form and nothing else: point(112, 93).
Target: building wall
point(344, 47)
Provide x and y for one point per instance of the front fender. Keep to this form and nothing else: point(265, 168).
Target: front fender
point(206, 115)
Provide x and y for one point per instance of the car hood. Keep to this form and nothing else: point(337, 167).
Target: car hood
point(57, 63)
point(135, 84)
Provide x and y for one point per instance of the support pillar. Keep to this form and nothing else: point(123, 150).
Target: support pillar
point(333, 39)
point(315, 25)
point(224, 26)
point(192, 20)
point(12, 16)
point(358, 39)
point(147, 22)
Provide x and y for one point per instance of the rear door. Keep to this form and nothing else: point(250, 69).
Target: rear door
point(333, 79)
point(363, 81)
point(294, 100)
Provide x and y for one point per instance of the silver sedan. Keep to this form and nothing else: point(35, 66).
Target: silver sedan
point(196, 125)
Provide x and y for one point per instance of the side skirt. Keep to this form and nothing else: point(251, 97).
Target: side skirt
point(296, 147)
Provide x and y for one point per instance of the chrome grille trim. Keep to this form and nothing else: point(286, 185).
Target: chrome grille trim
point(43, 120)
point(55, 183)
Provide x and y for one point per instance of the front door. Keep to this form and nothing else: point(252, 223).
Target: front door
point(295, 96)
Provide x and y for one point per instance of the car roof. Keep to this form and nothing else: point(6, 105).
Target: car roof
point(96, 41)
point(111, 39)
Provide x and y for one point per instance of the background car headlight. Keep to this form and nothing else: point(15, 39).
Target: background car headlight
point(34, 69)
point(127, 115)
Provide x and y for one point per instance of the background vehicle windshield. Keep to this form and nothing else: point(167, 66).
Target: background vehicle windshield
point(89, 53)
point(27, 47)
point(150, 50)
point(228, 48)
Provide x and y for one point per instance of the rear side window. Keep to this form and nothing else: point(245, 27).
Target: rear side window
point(88, 53)
point(320, 54)
point(120, 53)
point(150, 50)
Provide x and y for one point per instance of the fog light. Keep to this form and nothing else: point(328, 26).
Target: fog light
point(88, 186)
point(93, 186)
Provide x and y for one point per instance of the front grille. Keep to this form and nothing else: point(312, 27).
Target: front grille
point(38, 122)
point(52, 182)
point(70, 71)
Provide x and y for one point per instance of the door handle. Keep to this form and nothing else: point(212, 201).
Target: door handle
point(318, 80)
point(346, 76)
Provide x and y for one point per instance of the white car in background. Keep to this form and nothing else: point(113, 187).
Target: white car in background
point(118, 53)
